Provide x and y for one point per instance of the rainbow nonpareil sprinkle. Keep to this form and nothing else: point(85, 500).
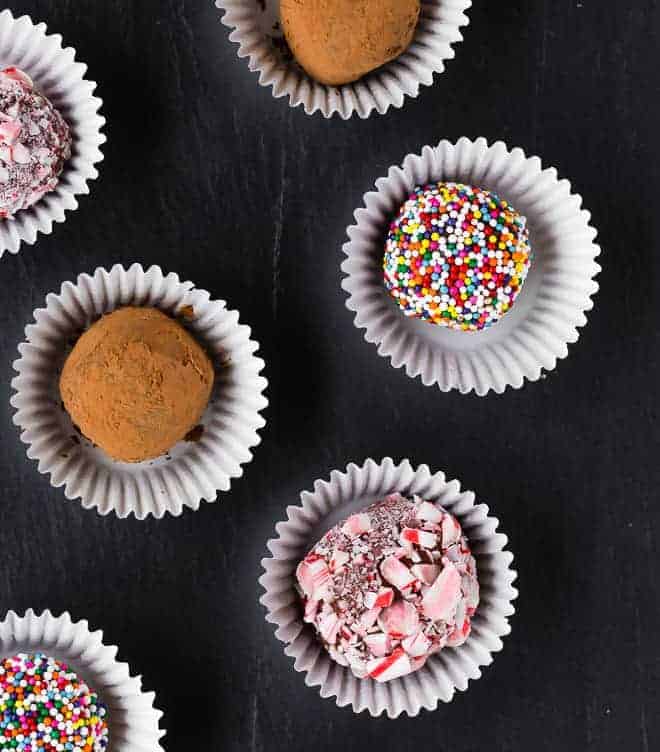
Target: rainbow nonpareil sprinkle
point(457, 256)
point(45, 707)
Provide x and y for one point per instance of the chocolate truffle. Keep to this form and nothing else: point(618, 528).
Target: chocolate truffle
point(388, 587)
point(339, 41)
point(46, 706)
point(35, 142)
point(135, 383)
point(457, 256)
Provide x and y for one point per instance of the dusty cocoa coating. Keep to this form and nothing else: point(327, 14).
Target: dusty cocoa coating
point(339, 41)
point(135, 383)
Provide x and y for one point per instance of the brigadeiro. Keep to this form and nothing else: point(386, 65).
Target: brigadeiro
point(457, 256)
point(390, 586)
point(35, 142)
point(339, 41)
point(47, 706)
point(136, 383)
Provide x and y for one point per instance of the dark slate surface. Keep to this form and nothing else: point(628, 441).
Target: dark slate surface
point(209, 176)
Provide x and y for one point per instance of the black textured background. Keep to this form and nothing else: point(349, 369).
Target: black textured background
point(209, 176)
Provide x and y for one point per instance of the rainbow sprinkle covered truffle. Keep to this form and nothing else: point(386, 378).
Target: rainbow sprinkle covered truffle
point(45, 706)
point(457, 256)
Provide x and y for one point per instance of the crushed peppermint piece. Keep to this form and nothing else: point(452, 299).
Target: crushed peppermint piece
point(35, 142)
point(440, 601)
point(379, 644)
point(426, 573)
point(382, 599)
point(391, 667)
point(357, 524)
point(419, 537)
point(388, 587)
point(399, 620)
point(429, 512)
point(397, 573)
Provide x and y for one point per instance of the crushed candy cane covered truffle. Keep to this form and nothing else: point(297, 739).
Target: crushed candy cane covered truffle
point(46, 707)
point(35, 142)
point(388, 587)
point(457, 256)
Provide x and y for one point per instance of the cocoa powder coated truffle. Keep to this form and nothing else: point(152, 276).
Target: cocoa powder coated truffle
point(388, 587)
point(339, 41)
point(136, 383)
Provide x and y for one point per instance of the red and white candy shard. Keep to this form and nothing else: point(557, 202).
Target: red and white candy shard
point(35, 142)
point(388, 587)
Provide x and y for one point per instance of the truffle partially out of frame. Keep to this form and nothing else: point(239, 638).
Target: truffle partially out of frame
point(35, 142)
point(339, 41)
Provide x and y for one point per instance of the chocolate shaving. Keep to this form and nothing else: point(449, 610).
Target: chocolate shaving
point(195, 434)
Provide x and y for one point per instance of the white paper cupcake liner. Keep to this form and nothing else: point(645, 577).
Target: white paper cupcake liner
point(192, 471)
point(256, 29)
point(133, 722)
point(450, 669)
point(60, 78)
point(551, 307)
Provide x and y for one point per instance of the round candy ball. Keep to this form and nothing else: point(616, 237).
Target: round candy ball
point(46, 707)
point(457, 256)
point(387, 588)
point(35, 142)
point(136, 383)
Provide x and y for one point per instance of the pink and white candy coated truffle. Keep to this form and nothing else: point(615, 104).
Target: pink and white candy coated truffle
point(388, 587)
point(34, 143)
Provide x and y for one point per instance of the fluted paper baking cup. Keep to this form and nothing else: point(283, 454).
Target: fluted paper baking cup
point(551, 306)
point(344, 494)
point(256, 29)
point(133, 722)
point(61, 79)
point(191, 472)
